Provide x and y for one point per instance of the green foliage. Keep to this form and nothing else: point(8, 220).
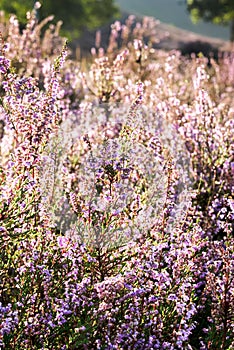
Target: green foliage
point(18, 8)
point(76, 15)
point(217, 11)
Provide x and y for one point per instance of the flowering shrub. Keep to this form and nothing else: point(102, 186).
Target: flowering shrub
point(116, 187)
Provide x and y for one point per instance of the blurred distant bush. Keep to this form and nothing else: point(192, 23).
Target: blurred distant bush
point(217, 11)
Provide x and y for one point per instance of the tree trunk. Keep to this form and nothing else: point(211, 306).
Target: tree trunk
point(232, 31)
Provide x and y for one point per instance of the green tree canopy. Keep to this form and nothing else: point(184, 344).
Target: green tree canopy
point(75, 14)
point(217, 11)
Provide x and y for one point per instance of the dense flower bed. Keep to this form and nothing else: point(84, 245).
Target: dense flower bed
point(116, 194)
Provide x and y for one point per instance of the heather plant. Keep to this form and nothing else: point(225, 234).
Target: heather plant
point(116, 188)
point(30, 48)
point(219, 287)
point(209, 139)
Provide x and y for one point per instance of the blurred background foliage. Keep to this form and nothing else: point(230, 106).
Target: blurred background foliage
point(216, 11)
point(76, 15)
